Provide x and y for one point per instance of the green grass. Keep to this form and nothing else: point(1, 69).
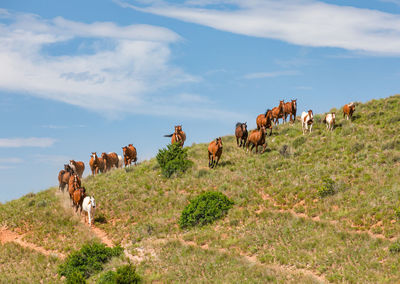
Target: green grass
point(344, 236)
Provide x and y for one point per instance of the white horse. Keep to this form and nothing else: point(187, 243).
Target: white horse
point(120, 161)
point(307, 119)
point(330, 121)
point(89, 206)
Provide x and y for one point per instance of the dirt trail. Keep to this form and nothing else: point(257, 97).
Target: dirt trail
point(277, 208)
point(253, 259)
point(7, 236)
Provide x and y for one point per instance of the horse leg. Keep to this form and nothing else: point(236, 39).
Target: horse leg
point(209, 159)
point(311, 127)
point(237, 141)
point(252, 147)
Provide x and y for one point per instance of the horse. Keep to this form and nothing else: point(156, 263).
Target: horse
point(97, 164)
point(73, 184)
point(89, 206)
point(178, 136)
point(257, 138)
point(63, 177)
point(241, 134)
point(307, 119)
point(110, 160)
point(330, 120)
point(214, 152)
point(78, 167)
point(348, 110)
point(265, 120)
point(79, 195)
point(130, 155)
point(278, 112)
point(290, 108)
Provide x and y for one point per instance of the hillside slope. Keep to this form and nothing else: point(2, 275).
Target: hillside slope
point(280, 228)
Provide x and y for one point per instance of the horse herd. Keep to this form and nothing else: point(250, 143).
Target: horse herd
point(71, 176)
point(282, 111)
point(72, 173)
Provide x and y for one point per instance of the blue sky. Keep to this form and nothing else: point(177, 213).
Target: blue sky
point(83, 76)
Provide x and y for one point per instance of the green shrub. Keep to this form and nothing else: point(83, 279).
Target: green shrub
point(327, 187)
point(173, 160)
point(87, 261)
point(75, 277)
point(204, 209)
point(124, 275)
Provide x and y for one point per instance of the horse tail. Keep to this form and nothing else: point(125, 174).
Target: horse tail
point(169, 135)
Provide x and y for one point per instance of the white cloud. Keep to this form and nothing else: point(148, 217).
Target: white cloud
point(118, 70)
point(261, 75)
point(26, 142)
point(301, 22)
point(10, 160)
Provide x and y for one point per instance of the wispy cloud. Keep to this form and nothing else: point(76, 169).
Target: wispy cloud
point(301, 22)
point(52, 126)
point(305, 88)
point(120, 70)
point(397, 2)
point(261, 75)
point(26, 142)
point(51, 159)
point(9, 163)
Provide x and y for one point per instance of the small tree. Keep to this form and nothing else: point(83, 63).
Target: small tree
point(173, 160)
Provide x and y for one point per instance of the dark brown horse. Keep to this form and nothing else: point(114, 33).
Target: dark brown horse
point(290, 108)
point(257, 138)
point(110, 161)
point(214, 152)
point(265, 120)
point(179, 136)
point(241, 134)
point(78, 196)
point(63, 177)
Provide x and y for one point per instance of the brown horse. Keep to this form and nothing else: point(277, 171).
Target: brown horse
point(265, 120)
point(257, 138)
point(78, 196)
point(214, 152)
point(178, 136)
point(63, 177)
point(110, 160)
point(130, 154)
point(290, 108)
point(348, 110)
point(96, 164)
point(73, 184)
point(241, 134)
point(78, 167)
point(278, 112)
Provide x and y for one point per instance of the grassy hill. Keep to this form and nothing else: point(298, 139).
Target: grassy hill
point(282, 228)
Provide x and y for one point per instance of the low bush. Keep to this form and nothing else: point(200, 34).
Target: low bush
point(87, 261)
point(327, 187)
point(204, 209)
point(124, 275)
point(173, 160)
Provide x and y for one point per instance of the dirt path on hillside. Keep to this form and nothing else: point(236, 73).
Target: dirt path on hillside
point(253, 259)
point(277, 208)
point(7, 236)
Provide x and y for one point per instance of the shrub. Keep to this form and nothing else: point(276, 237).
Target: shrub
point(76, 277)
point(173, 160)
point(204, 209)
point(284, 151)
point(87, 261)
point(327, 187)
point(124, 275)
